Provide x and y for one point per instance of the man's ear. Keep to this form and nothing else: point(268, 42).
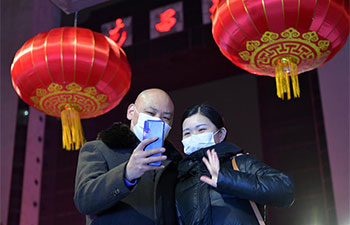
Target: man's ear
point(223, 133)
point(130, 112)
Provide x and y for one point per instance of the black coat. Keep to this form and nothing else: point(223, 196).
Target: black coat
point(199, 203)
point(100, 190)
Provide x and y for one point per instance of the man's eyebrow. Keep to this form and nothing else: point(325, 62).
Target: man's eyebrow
point(156, 110)
point(151, 108)
point(185, 129)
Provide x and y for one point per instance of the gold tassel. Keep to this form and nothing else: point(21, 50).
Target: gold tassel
point(72, 132)
point(284, 69)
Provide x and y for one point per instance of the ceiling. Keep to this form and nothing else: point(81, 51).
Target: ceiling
point(176, 61)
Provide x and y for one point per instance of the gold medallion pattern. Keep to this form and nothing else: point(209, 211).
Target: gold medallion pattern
point(307, 50)
point(88, 101)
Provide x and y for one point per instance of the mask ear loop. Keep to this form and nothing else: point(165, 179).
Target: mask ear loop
point(221, 139)
point(217, 131)
point(136, 109)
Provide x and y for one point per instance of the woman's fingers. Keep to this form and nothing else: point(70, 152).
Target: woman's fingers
point(216, 159)
point(205, 179)
point(213, 165)
point(213, 160)
point(208, 165)
point(209, 181)
point(210, 156)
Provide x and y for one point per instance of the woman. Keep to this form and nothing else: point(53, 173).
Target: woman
point(209, 190)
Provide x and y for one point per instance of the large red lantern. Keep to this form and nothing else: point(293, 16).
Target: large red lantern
point(280, 38)
point(71, 73)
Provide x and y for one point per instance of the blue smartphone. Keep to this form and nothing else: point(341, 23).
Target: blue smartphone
point(151, 129)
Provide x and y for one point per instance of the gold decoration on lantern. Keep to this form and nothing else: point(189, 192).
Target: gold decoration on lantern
point(283, 55)
point(72, 132)
point(286, 69)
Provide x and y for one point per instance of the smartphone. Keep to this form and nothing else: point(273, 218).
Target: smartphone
point(151, 129)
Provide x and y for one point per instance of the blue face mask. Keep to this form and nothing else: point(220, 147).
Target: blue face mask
point(198, 141)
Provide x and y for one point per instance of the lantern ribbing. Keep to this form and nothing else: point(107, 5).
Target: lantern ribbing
point(72, 73)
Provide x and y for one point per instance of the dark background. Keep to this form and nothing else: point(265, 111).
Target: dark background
point(287, 135)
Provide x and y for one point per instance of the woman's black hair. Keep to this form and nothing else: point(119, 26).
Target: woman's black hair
point(207, 111)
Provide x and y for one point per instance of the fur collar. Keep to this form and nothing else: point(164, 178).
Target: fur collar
point(118, 136)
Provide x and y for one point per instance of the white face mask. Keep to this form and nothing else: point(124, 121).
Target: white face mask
point(198, 141)
point(138, 128)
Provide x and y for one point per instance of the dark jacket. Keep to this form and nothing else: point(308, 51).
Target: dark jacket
point(199, 203)
point(100, 189)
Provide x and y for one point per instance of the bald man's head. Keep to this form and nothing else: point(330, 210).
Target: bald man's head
point(154, 102)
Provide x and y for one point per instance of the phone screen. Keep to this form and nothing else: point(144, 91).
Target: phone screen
point(154, 128)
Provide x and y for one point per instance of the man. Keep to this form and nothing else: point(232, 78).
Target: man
point(115, 184)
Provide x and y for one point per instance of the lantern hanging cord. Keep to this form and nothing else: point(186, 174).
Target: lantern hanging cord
point(75, 18)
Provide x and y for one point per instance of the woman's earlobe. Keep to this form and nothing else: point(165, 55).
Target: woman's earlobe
point(223, 133)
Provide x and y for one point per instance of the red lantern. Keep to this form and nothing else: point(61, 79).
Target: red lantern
point(71, 73)
point(280, 38)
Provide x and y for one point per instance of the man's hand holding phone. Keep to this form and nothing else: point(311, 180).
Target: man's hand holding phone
point(139, 160)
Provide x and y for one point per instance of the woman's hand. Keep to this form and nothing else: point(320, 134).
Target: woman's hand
point(213, 165)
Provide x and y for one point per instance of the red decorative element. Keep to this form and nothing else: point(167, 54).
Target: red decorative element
point(255, 34)
point(213, 7)
point(71, 66)
point(114, 33)
point(167, 21)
